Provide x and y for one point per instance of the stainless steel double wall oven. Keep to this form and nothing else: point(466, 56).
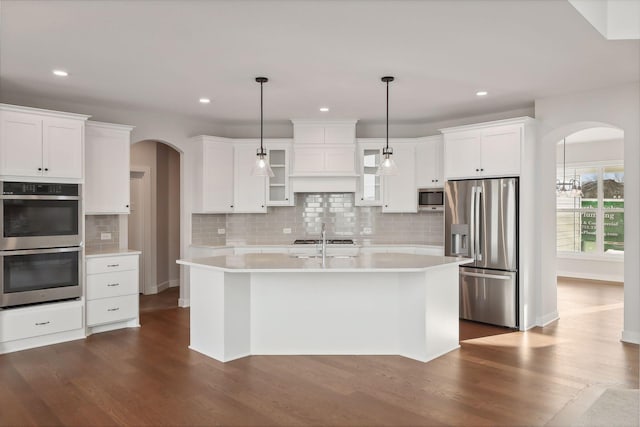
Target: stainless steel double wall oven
point(40, 243)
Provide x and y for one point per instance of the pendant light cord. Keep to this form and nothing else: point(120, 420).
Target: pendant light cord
point(387, 115)
point(261, 119)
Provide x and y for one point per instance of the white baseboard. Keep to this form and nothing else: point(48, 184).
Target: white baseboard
point(632, 337)
point(184, 302)
point(174, 283)
point(162, 286)
point(547, 319)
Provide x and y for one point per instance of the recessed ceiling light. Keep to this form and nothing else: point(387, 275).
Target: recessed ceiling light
point(324, 109)
point(482, 93)
point(60, 73)
point(205, 100)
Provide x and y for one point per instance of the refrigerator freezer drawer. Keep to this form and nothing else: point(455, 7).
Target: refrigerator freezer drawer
point(488, 296)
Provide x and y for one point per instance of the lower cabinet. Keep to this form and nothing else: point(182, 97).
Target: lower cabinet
point(112, 292)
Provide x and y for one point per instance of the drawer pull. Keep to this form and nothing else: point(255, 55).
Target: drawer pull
point(113, 284)
point(42, 323)
point(113, 265)
point(113, 309)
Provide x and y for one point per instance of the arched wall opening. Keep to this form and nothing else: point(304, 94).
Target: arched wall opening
point(155, 220)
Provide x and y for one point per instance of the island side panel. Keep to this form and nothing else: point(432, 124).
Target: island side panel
point(324, 313)
point(412, 333)
point(219, 315)
point(442, 311)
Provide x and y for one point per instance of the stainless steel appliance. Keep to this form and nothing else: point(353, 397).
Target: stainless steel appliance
point(40, 215)
point(430, 199)
point(481, 222)
point(39, 275)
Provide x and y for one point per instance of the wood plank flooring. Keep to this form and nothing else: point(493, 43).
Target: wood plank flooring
point(148, 376)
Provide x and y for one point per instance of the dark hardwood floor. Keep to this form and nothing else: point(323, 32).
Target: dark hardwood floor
point(161, 301)
point(148, 376)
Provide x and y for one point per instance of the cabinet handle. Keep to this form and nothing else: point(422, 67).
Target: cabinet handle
point(477, 170)
point(286, 198)
point(386, 206)
point(262, 206)
point(39, 169)
point(126, 206)
point(481, 169)
point(113, 284)
point(42, 323)
point(46, 169)
point(113, 265)
point(231, 205)
point(113, 309)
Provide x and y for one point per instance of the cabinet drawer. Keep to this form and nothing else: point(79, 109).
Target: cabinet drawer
point(36, 321)
point(112, 263)
point(114, 284)
point(107, 310)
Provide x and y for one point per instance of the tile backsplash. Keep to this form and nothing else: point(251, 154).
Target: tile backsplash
point(364, 224)
point(95, 225)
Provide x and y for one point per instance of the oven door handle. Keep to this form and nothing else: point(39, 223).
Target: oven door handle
point(33, 197)
point(40, 251)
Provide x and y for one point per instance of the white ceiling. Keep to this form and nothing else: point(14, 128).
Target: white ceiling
point(164, 55)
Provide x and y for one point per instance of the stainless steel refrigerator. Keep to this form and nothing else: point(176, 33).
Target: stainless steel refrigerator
point(481, 222)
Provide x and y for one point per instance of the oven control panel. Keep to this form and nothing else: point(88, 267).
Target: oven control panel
point(39, 189)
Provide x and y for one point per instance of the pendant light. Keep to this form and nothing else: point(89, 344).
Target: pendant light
point(387, 165)
point(572, 187)
point(261, 167)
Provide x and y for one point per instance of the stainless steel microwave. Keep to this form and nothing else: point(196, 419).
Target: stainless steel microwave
point(431, 199)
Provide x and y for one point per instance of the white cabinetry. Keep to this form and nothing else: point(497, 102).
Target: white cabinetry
point(484, 150)
point(324, 132)
point(112, 292)
point(248, 190)
point(213, 175)
point(107, 151)
point(42, 144)
point(369, 184)
point(324, 148)
point(38, 325)
point(278, 188)
point(399, 191)
point(429, 160)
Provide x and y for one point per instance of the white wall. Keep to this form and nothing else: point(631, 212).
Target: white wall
point(559, 117)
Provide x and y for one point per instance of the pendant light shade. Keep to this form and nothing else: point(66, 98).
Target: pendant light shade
point(387, 165)
point(261, 166)
point(571, 187)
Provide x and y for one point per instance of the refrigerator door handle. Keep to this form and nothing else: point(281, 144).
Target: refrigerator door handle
point(472, 232)
point(485, 276)
point(478, 225)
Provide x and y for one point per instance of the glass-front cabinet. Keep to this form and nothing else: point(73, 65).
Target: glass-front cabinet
point(369, 185)
point(278, 188)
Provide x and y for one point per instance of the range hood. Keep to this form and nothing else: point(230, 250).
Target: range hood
point(324, 156)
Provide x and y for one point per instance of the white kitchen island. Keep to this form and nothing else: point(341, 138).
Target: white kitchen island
point(278, 304)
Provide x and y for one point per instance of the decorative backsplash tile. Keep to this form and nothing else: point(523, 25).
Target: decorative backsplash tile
point(95, 225)
point(364, 224)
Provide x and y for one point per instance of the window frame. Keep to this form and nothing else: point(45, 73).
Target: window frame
point(600, 211)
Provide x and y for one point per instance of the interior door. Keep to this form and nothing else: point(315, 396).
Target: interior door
point(136, 223)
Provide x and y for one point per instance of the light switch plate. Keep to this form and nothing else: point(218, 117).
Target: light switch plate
point(286, 231)
point(221, 231)
point(105, 236)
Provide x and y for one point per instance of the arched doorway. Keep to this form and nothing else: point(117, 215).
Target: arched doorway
point(154, 222)
point(549, 214)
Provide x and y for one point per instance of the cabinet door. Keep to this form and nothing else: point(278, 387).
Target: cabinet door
point(20, 144)
point(278, 186)
point(429, 161)
point(308, 134)
point(369, 185)
point(62, 147)
point(400, 191)
point(462, 156)
point(249, 190)
point(501, 151)
point(107, 171)
point(217, 180)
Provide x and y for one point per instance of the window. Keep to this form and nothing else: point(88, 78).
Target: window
point(593, 223)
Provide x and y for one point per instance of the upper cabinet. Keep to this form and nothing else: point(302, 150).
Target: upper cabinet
point(248, 190)
point(324, 132)
point(278, 186)
point(485, 150)
point(41, 144)
point(213, 172)
point(399, 191)
point(369, 191)
point(107, 152)
point(429, 160)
